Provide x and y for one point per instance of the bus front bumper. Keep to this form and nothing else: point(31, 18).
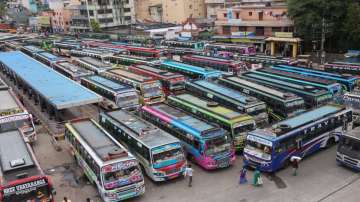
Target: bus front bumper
point(348, 162)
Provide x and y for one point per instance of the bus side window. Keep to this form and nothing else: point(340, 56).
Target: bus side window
point(196, 144)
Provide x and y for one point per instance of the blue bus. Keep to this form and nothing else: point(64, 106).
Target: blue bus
point(190, 70)
point(333, 88)
point(31, 50)
point(47, 58)
point(348, 81)
point(312, 96)
point(208, 145)
point(231, 98)
point(271, 149)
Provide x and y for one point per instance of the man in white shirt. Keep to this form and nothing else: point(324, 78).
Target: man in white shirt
point(189, 173)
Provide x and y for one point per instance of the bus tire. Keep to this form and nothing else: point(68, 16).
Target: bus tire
point(330, 142)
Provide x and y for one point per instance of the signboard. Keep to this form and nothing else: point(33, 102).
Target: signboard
point(119, 166)
point(10, 111)
point(229, 14)
point(44, 20)
point(284, 34)
point(25, 188)
point(14, 118)
point(242, 34)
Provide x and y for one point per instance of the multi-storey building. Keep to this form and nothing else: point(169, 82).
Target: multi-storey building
point(169, 11)
point(107, 13)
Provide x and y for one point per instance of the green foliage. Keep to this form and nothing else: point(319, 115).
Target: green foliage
point(341, 20)
point(95, 26)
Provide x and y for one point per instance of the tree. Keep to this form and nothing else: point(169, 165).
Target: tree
point(95, 26)
point(308, 17)
point(352, 25)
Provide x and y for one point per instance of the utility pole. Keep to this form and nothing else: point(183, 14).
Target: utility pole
point(323, 31)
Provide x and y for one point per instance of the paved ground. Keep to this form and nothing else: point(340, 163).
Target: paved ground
point(319, 179)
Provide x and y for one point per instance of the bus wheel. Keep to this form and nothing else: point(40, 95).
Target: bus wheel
point(330, 142)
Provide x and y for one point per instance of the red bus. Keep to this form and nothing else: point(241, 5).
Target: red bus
point(221, 64)
point(172, 83)
point(21, 178)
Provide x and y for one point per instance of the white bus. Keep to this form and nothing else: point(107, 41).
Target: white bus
point(107, 164)
point(160, 154)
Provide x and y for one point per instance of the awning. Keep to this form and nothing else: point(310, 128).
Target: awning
point(278, 39)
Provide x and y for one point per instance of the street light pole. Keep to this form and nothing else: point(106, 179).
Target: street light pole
point(322, 51)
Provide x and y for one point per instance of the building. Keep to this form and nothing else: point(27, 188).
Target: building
point(61, 18)
point(169, 11)
point(193, 27)
point(212, 6)
point(263, 19)
point(107, 13)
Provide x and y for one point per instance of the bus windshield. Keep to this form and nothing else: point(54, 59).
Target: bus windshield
point(123, 177)
point(258, 147)
point(218, 145)
point(127, 97)
point(12, 125)
point(152, 90)
point(162, 158)
point(350, 147)
point(243, 127)
point(177, 85)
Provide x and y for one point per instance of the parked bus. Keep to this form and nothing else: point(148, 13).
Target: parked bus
point(267, 60)
point(22, 178)
point(271, 149)
point(221, 64)
point(145, 52)
point(280, 104)
point(149, 89)
point(313, 97)
point(107, 164)
point(209, 145)
point(47, 58)
point(13, 115)
point(199, 45)
point(343, 68)
point(31, 50)
point(71, 71)
point(240, 49)
point(172, 83)
point(190, 70)
point(332, 87)
point(116, 94)
point(236, 123)
point(132, 59)
point(231, 98)
point(348, 151)
point(92, 64)
point(67, 44)
point(100, 55)
point(159, 153)
point(348, 81)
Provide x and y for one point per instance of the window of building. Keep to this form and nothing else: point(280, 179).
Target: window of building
point(250, 13)
point(242, 29)
point(226, 29)
point(127, 9)
point(225, 15)
point(91, 13)
point(190, 6)
point(237, 15)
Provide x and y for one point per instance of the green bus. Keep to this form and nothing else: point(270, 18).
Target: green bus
point(238, 124)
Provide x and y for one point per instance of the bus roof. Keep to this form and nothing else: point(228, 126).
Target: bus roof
point(130, 75)
point(8, 102)
point(95, 62)
point(196, 69)
point(210, 58)
point(73, 69)
point(98, 139)
point(161, 72)
point(49, 56)
point(228, 92)
point(316, 71)
point(15, 156)
point(115, 86)
point(264, 89)
point(260, 78)
point(310, 116)
point(148, 134)
point(50, 84)
point(221, 111)
point(33, 49)
point(188, 122)
point(297, 77)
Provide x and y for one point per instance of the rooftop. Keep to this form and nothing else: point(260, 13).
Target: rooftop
point(147, 133)
point(50, 85)
point(8, 102)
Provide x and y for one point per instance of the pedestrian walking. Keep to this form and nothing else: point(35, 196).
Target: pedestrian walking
point(189, 173)
point(294, 160)
point(243, 172)
point(257, 180)
point(66, 199)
